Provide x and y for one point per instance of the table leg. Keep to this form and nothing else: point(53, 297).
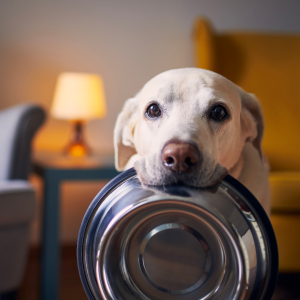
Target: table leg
point(49, 289)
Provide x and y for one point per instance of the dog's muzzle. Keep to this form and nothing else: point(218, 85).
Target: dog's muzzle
point(176, 243)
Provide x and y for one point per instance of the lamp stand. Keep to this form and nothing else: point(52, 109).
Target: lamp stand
point(77, 146)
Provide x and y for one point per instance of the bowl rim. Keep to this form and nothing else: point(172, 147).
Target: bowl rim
point(239, 187)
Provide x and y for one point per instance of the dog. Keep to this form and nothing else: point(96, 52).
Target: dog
point(193, 126)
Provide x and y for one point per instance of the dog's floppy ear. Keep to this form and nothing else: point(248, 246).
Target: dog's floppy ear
point(252, 121)
point(123, 133)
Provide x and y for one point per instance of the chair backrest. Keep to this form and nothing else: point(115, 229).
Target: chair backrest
point(267, 65)
point(18, 125)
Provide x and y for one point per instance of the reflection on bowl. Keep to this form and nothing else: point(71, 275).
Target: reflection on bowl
point(176, 242)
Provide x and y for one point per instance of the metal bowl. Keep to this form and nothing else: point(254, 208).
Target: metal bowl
point(176, 242)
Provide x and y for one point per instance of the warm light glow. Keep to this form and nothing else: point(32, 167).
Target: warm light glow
point(77, 150)
point(79, 96)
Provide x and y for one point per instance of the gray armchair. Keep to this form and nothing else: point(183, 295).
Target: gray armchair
point(18, 125)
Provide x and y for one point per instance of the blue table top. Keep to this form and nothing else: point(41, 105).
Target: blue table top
point(57, 160)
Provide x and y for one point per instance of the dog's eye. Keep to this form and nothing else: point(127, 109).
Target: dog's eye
point(218, 112)
point(153, 111)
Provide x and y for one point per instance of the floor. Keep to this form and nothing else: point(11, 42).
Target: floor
point(288, 285)
point(71, 287)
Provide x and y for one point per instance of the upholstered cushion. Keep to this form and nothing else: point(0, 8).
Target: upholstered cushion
point(17, 202)
point(285, 217)
point(286, 228)
point(285, 191)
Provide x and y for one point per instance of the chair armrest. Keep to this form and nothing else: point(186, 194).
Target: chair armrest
point(18, 125)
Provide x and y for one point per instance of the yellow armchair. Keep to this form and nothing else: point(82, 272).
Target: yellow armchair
point(267, 65)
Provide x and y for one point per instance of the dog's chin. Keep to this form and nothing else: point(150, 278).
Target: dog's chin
point(158, 175)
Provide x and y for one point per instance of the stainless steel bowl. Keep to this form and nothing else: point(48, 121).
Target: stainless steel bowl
point(176, 242)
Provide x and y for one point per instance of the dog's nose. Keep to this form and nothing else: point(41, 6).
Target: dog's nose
point(180, 157)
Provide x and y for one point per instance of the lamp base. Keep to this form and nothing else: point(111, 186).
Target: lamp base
point(77, 147)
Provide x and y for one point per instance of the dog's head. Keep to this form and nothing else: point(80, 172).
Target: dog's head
point(186, 125)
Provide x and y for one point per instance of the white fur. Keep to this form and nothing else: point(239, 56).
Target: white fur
point(185, 97)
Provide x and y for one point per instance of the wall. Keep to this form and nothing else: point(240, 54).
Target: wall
point(126, 41)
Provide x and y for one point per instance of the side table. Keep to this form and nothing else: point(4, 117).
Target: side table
point(55, 168)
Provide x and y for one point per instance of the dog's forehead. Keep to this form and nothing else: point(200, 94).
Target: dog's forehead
point(188, 82)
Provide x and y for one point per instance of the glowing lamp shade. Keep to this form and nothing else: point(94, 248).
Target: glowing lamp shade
point(78, 97)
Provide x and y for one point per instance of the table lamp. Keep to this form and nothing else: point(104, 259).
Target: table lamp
point(78, 97)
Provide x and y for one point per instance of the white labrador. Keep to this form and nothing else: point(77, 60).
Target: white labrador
point(193, 126)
